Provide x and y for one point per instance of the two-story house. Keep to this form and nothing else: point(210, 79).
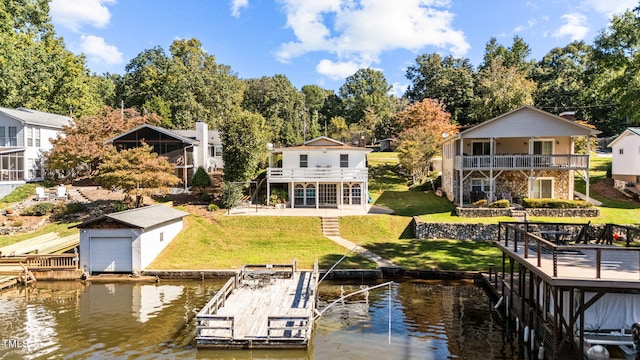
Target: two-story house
point(625, 162)
point(186, 149)
point(321, 173)
point(526, 152)
point(24, 138)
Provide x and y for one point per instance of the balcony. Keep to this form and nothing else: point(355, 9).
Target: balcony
point(522, 162)
point(317, 174)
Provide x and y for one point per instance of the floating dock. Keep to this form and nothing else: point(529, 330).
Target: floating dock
point(262, 307)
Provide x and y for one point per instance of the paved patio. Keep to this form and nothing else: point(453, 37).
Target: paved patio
point(270, 211)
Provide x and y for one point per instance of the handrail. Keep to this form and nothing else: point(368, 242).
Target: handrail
point(217, 301)
point(318, 173)
point(528, 237)
point(292, 323)
point(523, 161)
point(54, 261)
point(207, 319)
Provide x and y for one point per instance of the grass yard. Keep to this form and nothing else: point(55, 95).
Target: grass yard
point(391, 237)
point(228, 242)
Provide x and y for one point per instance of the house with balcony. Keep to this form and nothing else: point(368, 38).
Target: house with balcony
point(24, 138)
point(526, 152)
point(320, 173)
point(625, 160)
point(186, 149)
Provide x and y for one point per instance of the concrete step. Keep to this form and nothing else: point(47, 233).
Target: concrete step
point(330, 226)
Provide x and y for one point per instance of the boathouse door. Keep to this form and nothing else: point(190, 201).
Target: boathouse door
point(110, 254)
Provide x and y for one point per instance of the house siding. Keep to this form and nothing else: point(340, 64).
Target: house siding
point(151, 244)
point(535, 123)
point(627, 163)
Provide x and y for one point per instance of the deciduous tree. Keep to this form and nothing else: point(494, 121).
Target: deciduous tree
point(244, 145)
point(137, 171)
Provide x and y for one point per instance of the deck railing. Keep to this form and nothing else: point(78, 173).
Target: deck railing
point(288, 327)
point(516, 238)
point(522, 162)
point(317, 173)
point(58, 261)
point(208, 321)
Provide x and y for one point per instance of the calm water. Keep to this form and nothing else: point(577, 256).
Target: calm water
point(70, 320)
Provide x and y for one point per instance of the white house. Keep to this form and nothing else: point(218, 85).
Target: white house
point(186, 149)
point(24, 136)
point(321, 172)
point(526, 152)
point(129, 240)
point(625, 162)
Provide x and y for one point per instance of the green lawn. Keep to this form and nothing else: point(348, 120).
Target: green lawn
point(228, 242)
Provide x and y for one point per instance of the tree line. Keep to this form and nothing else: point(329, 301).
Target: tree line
point(599, 81)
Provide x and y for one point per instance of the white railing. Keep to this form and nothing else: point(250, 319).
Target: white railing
point(515, 162)
point(317, 173)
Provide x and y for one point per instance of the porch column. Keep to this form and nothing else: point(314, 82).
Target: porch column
point(491, 188)
point(365, 195)
point(291, 194)
point(586, 172)
point(460, 172)
point(268, 191)
point(339, 196)
point(317, 195)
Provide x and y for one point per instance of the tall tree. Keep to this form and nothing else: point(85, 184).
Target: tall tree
point(514, 56)
point(282, 107)
point(137, 171)
point(448, 79)
point(424, 126)
point(36, 70)
point(367, 88)
point(244, 145)
point(500, 89)
point(617, 52)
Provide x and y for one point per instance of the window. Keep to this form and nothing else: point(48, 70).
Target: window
point(304, 160)
point(298, 195)
point(13, 136)
point(543, 188)
point(3, 136)
point(356, 194)
point(621, 151)
point(29, 136)
point(344, 160)
point(543, 147)
point(311, 195)
point(162, 236)
point(481, 148)
point(480, 185)
point(346, 194)
point(217, 151)
point(36, 136)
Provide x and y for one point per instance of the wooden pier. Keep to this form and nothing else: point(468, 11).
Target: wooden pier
point(548, 287)
point(263, 306)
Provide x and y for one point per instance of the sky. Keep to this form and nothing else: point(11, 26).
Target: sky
point(322, 42)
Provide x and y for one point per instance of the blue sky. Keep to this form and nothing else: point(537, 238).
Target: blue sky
point(323, 41)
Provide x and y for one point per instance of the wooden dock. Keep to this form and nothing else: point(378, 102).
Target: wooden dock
point(263, 306)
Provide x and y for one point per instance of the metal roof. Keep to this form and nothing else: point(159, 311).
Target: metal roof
point(34, 117)
point(161, 130)
point(143, 218)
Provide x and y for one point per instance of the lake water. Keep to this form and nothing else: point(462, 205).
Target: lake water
point(428, 320)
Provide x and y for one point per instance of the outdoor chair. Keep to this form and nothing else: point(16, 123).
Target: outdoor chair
point(61, 193)
point(40, 195)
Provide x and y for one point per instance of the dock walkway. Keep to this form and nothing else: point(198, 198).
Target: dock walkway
point(264, 306)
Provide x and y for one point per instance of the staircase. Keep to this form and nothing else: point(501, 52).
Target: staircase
point(519, 215)
point(330, 226)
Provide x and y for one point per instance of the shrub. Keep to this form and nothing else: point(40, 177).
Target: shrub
point(555, 203)
point(69, 208)
point(479, 202)
point(39, 209)
point(278, 196)
point(201, 179)
point(504, 203)
point(213, 207)
point(17, 223)
point(119, 206)
point(20, 193)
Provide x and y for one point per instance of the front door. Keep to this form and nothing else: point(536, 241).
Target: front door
point(327, 195)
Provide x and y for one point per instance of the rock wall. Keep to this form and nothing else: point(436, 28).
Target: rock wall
point(484, 232)
point(492, 212)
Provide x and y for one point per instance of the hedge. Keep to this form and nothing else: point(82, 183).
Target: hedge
point(555, 203)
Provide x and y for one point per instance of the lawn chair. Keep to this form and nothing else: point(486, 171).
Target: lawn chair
point(583, 235)
point(61, 193)
point(40, 195)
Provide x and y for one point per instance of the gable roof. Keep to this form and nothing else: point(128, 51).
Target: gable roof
point(322, 143)
point(632, 131)
point(161, 130)
point(142, 218)
point(34, 117)
point(553, 125)
point(214, 135)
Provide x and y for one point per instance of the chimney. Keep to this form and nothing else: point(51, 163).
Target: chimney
point(202, 154)
point(569, 115)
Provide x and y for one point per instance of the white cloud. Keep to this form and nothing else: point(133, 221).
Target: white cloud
point(398, 89)
point(97, 50)
point(575, 27)
point(337, 70)
point(237, 5)
point(72, 14)
point(359, 31)
point(610, 7)
point(530, 24)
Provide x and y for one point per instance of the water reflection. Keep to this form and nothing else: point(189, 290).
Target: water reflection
point(408, 320)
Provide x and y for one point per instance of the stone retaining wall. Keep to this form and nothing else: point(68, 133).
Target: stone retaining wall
point(492, 212)
point(485, 232)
